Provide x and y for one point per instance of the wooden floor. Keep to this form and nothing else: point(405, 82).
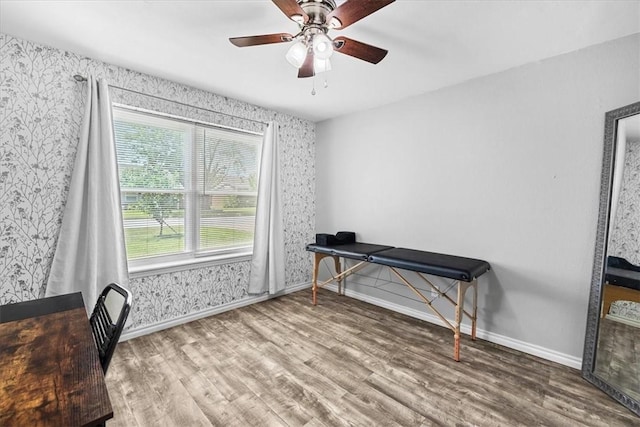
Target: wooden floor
point(618, 356)
point(342, 363)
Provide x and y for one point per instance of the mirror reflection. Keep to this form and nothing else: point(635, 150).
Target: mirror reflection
point(617, 360)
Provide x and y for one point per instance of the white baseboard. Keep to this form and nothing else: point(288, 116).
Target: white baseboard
point(535, 350)
point(622, 319)
point(148, 329)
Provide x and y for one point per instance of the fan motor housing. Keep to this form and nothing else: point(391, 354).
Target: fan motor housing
point(317, 10)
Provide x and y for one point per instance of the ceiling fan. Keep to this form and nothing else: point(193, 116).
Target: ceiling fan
point(313, 47)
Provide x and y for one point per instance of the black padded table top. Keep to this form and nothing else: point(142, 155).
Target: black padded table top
point(359, 251)
point(453, 267)
point(623, 277)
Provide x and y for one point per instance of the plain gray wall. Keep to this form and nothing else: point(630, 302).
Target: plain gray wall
point(504, 168)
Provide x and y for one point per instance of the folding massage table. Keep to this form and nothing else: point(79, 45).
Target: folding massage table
point(622, 282)
point(464, 271)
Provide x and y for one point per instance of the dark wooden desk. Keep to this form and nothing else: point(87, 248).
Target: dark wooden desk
point(50, 372)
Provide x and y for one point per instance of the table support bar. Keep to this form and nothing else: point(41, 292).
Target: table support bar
point(458, 304)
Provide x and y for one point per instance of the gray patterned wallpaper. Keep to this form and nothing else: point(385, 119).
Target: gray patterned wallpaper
point(625, 236)
point(627, 309)
point(41, 109)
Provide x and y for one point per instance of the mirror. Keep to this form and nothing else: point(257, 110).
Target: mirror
point(611, 359)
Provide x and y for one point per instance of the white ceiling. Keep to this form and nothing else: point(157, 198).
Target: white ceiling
point(432, 44)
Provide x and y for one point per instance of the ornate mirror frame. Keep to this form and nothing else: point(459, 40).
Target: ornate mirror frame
point(593, 315)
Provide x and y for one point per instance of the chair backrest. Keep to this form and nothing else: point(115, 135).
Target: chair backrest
point(105, 332)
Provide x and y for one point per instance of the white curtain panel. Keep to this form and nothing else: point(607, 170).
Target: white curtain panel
point(618, 173)
point(267, 264)
point(90, 252)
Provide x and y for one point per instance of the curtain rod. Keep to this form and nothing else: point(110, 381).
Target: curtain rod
point(79, 78)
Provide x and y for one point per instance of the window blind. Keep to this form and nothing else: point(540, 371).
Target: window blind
point(188, 188)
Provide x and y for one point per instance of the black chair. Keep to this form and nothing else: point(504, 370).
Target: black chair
point(105, 332)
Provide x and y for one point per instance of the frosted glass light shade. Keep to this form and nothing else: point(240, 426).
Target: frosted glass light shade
point(297, 54)
point(322, 46)
point(321, 65)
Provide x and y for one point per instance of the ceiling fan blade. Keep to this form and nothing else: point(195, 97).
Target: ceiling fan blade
point(354, 10)
point(291, 8)
point(359, 50)
point(263, 39)
point(307, 67)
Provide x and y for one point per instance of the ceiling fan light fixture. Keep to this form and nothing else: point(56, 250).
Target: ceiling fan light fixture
point(321, 65)
point(322, 46)
point(311, 46)
point(297, 54)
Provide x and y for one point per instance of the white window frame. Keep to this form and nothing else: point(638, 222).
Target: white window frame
point(191, 258)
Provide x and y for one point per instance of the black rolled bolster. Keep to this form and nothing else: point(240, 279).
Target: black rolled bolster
point(345, 237)
point(326, 239)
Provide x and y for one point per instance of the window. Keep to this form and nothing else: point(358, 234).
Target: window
point(188, 189)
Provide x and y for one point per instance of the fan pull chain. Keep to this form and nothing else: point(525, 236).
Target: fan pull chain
point(325, 83)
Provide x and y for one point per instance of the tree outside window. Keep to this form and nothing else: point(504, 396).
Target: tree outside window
point(186, 188)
